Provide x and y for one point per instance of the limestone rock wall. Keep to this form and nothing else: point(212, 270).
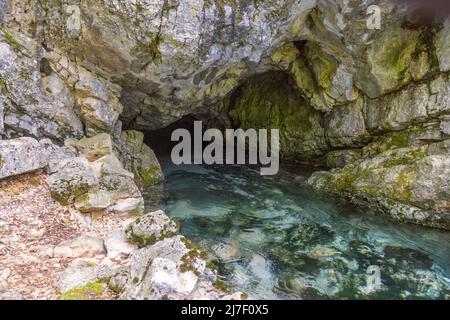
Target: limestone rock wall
point(369, 102)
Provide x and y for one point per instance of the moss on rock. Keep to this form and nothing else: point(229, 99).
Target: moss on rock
point(271, 102)
point(144, 163)
point(151, 175)
point(90, 291)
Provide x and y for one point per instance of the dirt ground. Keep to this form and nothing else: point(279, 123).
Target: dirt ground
point(31, 224)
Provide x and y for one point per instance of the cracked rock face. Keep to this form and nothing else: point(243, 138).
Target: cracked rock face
point(169, 269)
point(171, 56)
point(343, 92)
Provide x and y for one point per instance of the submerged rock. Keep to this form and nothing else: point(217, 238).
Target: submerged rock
point(226, 252)
point(322, 252)
point(302, 288)
point(294, 260)
point(309, 234)
point(408, 258)
point(405, 183)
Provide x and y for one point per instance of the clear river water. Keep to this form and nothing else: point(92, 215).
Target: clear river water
point(274, 238)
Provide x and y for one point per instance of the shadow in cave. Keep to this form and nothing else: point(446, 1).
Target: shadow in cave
point(280, 94)
point(161, 143)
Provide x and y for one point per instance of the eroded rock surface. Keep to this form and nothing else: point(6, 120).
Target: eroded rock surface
point(371, 103)
point(168, 267)
point(150, 228)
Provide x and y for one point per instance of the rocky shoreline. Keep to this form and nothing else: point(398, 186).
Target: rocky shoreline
point(83, 84)
point(49, 251)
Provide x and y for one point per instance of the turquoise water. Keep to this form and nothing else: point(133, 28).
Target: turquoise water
point(274, 238)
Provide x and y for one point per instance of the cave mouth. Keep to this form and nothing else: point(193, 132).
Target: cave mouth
point(245, 146)
point(269, 100)
point(160, 140)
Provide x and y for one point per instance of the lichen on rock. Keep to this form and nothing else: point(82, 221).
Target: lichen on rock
point(150, 228)
point(144, 163)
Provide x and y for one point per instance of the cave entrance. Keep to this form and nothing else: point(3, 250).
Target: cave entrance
point(269, 101)
point(160, 140)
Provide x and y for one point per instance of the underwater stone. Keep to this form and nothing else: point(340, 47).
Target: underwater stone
point(409, 258)
point(307, 235)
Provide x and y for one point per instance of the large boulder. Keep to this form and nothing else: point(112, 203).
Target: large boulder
point(113, 178)
point(73, 178)
point(115, 189)
point(406, 183)
point(143, 161)
point(170, 268)
point(96, 180)
point(150, 228)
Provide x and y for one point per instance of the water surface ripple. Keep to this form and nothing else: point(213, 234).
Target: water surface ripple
point(274, 238)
